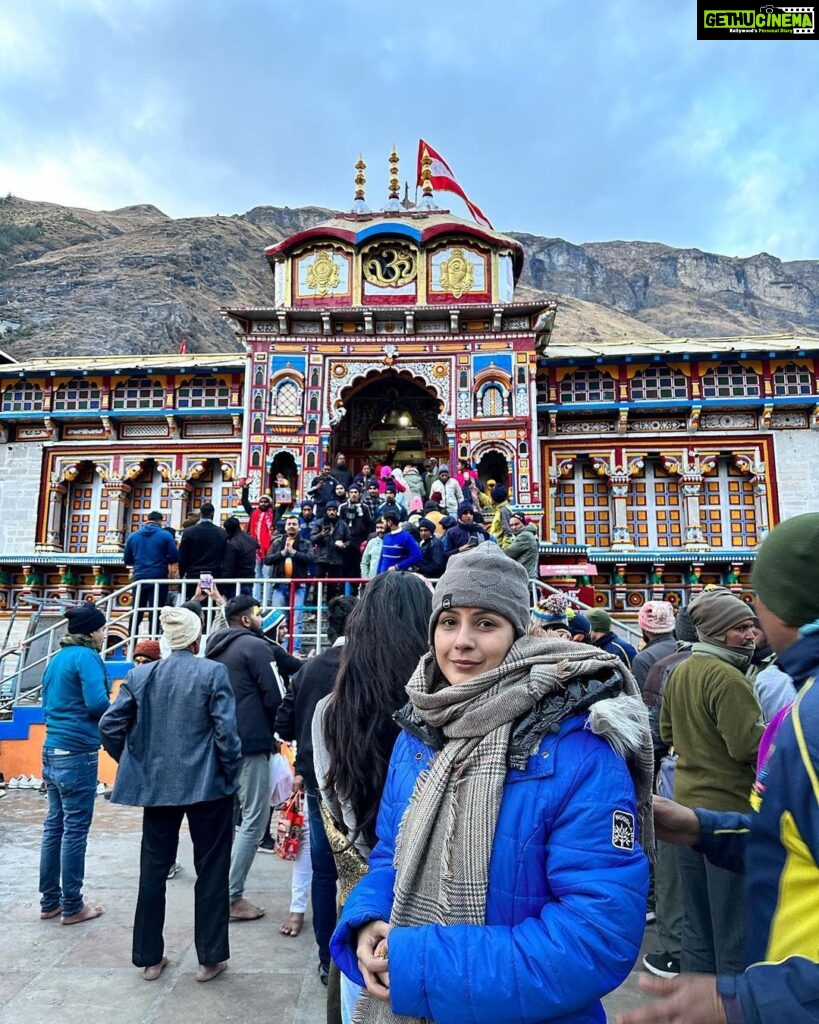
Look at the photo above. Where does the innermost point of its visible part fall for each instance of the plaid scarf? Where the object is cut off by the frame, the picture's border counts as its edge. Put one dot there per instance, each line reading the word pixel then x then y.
pixel 447 831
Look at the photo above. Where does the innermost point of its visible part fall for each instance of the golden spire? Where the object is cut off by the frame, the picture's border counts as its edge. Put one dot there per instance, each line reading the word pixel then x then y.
pixel 426 202
pixel 395 182
pixel 359 205
pixel 426 173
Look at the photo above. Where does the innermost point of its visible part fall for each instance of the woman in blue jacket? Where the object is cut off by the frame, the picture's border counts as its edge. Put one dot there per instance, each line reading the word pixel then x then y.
pixel 507 882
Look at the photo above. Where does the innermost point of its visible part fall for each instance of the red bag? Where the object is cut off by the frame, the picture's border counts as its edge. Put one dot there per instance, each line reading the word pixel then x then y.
pixel 289 828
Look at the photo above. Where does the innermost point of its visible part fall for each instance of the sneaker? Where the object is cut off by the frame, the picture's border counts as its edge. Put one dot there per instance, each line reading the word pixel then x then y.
pixel 15 782
pixel 175 869
pixel 661 964
pixel 101 789
pixel 651 917
pixel 267 845
pixel 324 974
pixel 32 782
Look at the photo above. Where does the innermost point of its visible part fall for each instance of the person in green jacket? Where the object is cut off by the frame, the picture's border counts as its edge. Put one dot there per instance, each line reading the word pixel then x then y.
pixel 523 546
pixel 713 720
pixel 76 694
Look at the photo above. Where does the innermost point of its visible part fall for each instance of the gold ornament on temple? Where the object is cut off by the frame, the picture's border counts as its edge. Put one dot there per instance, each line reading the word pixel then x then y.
pixel 395 183
pixel 360 180
pixel 426 173
pixel 456 274
pixel 389 266
pixel 323 274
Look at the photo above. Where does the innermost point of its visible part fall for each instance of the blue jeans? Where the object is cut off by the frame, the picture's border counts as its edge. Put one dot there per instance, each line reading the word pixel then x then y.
pixel 281 599
pixel 323 889
pixel 71 786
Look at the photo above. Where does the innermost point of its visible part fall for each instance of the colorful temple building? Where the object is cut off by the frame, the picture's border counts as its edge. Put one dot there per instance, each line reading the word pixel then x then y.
pixel 651 467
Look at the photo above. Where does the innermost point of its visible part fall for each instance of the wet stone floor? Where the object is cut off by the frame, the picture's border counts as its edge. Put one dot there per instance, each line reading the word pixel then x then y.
pixel 83 974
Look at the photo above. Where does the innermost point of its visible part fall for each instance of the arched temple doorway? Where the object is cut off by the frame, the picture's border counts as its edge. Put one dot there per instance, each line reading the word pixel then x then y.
pixel 390 418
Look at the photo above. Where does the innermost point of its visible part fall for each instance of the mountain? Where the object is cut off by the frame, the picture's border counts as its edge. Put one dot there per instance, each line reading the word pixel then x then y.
pixel 134 280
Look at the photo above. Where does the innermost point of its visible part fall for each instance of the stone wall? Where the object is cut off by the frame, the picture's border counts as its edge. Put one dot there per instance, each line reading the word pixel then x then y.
pixel 20 466
pixel 797 471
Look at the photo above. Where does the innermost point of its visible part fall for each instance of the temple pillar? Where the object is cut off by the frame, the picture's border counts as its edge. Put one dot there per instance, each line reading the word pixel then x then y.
pixel 757 470
pixel 179 491
pixel 116 492
pixel 620 531
pixel 54 518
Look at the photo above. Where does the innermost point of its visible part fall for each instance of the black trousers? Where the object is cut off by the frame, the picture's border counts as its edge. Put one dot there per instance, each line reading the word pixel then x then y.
pixel 211 828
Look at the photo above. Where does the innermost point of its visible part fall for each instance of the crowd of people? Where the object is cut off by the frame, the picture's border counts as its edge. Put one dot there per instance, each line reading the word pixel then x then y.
pixel 482 793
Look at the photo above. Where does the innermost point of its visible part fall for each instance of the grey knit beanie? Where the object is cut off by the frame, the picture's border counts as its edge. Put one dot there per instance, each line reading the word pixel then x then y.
pixel 715 611
pixel 484 578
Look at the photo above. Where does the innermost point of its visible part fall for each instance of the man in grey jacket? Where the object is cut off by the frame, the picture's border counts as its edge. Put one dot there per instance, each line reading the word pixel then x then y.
pixel 172 728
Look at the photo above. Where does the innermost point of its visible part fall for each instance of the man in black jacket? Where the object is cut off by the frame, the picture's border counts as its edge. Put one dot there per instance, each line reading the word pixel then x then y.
pixel 331 537
pixel 291 555
pixel 257 670
pixel 432 563
pixel 293 722
pixel 240 555
pixel 202 547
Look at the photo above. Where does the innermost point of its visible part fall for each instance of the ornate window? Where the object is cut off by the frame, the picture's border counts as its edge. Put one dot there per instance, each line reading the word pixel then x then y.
pixel 258 377
pixel 588 386
pixel 138 393
pixel 202 393
pixel 85 509
pixel 658 383
pixel 792 379
pixel 493 400
pixel 653 509
pixel 77 395
pixel 23 397
pixel 285 399
pixel 730 380
pixel 727 508
pixel 583 508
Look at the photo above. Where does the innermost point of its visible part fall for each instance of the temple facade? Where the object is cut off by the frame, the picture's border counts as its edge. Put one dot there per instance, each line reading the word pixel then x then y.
pixel 650 467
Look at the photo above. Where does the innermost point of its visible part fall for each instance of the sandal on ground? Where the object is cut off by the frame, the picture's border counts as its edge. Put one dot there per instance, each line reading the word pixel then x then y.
pixel 293 925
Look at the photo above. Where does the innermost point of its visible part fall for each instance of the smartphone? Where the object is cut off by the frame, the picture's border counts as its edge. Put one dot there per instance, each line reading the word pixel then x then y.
pixel 205 581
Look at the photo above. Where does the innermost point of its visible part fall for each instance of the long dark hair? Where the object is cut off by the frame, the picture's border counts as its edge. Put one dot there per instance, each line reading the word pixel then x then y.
pixel 387 633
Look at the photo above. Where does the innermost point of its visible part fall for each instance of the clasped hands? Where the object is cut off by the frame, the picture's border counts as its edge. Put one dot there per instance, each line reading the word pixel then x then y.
pixel 372 958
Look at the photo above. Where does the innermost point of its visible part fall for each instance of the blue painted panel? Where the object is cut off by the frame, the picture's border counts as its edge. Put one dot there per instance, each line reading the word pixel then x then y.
pixel 388 228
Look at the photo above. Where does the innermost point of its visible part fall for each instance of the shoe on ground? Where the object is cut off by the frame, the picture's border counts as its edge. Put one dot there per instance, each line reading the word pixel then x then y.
pixel 661 964
pixel 107 794
pixel 32 782
pixel 176 867
pixel 267 845
pixel 324 974
pixel 15 782
pixel 102 789
pixel 651 917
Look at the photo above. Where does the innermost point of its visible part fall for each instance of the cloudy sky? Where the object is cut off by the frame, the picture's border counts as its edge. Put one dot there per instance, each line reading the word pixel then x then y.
pixel 587 121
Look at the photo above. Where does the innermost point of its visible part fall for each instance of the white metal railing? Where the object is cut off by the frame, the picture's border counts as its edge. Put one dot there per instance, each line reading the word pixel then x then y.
pixel 304 601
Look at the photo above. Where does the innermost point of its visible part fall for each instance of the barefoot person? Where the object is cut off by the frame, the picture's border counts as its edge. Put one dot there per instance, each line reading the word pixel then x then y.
pixel 173 731
pixel 75 695
pixel 507 882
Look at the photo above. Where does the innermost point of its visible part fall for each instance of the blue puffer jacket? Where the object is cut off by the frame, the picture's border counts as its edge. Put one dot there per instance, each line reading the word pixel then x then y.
pixel 565 909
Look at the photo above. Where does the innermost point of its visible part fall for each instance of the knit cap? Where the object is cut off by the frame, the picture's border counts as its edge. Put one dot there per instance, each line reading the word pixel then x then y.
pixel 685 628
pixel 553 612
pixel 599 620
pixel 499 494
pixel 148 649
pixel 786 568
pixel 428 523
pixel 180 626
pixel 465 506
pixel 715 611
pixel 578 623
pixel 332 503
pixel 656 617
pixel 487 578
pixel 84 619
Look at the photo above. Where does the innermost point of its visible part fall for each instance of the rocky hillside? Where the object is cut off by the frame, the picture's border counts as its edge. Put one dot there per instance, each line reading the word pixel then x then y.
pixel 134 280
